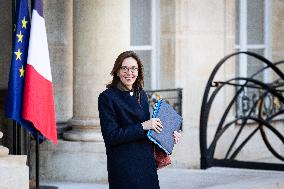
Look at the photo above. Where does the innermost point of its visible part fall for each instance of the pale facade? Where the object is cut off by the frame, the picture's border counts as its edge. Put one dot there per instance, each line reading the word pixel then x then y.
pixel 188 38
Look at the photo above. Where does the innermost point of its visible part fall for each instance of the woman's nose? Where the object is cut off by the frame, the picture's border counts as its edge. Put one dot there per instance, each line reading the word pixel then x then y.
pixel 128 71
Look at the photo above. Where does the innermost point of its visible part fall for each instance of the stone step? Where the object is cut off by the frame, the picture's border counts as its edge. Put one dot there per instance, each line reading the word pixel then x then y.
pixel 14 173
pixel 213 178
pixel 60 162
pixel 220 178
pixel 73 185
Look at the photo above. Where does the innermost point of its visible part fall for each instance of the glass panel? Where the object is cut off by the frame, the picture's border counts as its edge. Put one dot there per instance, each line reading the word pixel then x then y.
pixel 140 22
pixel 237 21
pixel 146 61
pixel 253 65
pixel 237 64
pixel 248 97
pixel 255 21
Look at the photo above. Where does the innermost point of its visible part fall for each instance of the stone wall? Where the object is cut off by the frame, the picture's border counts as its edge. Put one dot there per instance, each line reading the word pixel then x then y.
pixel 196 35
pixel 277 30
pixel 193 41
pixel 167 44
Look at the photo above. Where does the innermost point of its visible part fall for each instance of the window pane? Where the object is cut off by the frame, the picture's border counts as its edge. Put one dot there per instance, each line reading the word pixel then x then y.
pixel 252 94
pixel 253 65
pixel 255 21
pixel 146 61
pixel 237 21
pixel 237 64
pixel 140 22
pixel 248 98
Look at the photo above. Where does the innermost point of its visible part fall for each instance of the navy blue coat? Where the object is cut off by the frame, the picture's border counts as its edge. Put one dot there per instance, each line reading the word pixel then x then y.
pixel 130 160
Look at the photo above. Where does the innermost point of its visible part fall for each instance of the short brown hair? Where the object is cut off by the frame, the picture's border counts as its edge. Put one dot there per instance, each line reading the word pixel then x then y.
pixel 139 83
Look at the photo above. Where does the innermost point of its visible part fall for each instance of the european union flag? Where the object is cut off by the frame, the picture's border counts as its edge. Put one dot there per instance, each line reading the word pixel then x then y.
pixel 14 98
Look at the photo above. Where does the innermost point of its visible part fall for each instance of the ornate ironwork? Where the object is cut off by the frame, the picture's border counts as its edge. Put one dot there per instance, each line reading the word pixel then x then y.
pixel 257 105
pixel 246 101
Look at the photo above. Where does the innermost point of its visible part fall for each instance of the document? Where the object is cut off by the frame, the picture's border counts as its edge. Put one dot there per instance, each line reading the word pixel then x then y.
pixel 171 122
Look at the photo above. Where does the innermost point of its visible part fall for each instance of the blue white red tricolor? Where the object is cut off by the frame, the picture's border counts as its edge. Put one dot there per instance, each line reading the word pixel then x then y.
pixel 38 101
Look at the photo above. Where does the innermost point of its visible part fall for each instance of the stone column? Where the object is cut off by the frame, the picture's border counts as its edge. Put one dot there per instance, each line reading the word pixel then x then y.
pixel 6 42
pixel 59 25
pixel 101 32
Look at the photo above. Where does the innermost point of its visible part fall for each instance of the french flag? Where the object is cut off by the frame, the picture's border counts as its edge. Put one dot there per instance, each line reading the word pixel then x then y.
pixel 38 101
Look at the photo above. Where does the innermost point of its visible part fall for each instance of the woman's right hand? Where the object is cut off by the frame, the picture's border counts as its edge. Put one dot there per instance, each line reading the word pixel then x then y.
pixel 153 123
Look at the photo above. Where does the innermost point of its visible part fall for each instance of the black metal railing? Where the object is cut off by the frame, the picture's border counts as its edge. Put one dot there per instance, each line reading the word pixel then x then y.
pixel 256 105
pixel 171 96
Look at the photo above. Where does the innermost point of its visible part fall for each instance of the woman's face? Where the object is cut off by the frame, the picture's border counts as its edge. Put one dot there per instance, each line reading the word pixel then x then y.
pixel 128 72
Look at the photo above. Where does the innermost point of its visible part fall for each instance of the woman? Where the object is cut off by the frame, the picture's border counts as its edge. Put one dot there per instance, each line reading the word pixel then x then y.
pixel 124 117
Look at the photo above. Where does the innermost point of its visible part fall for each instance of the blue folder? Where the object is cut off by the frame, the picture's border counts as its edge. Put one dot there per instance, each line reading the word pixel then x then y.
pixel 171 122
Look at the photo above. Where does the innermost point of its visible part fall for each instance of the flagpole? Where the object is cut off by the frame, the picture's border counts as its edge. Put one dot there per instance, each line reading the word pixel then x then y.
pixel 37 168
pixel 37 145
pixel 19 139
pixel 37 163
pixel 15 137
pixel 15 124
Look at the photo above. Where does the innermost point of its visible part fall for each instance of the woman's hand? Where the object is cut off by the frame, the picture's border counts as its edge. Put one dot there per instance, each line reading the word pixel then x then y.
pixel 153 123
pixel 177 136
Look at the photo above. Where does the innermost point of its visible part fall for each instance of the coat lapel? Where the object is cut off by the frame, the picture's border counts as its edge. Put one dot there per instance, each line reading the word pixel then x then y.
pixel 131 105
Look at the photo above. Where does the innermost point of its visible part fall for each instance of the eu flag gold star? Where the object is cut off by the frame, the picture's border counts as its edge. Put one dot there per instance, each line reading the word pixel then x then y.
pixel 22 71
pixel 20 37
pixel 18 54
pixel 24 23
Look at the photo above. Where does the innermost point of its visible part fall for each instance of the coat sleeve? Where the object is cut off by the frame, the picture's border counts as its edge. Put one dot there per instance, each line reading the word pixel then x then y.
pixel 113 134
pixel 145 102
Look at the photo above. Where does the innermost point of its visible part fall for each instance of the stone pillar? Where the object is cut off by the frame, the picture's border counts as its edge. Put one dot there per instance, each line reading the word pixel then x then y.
pixel 6 42
pixel 59 25
pixel 101 32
